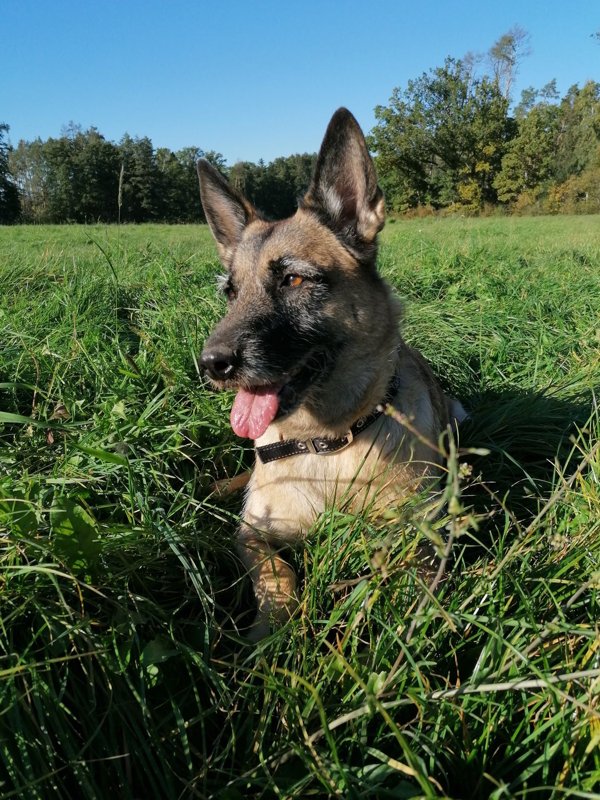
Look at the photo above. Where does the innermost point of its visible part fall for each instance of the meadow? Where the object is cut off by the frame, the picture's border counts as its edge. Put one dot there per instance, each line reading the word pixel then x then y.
pixel 123 669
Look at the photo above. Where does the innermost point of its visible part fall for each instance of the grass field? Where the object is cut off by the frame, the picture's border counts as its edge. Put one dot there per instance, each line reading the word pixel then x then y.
pixel 121 670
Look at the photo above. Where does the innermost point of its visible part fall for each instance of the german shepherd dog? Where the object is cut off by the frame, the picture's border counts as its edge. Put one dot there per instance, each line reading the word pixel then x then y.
pixel 310 342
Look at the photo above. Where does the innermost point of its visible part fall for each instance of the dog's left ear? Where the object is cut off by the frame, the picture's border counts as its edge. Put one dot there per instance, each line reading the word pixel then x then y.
pixel 227 211
pixel 344 186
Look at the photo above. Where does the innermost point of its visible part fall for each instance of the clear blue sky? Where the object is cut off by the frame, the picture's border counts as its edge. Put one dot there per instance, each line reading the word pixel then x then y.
pixel 256 78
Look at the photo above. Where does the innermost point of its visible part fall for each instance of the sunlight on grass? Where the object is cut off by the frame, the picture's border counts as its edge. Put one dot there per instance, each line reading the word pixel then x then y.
pixel 471 672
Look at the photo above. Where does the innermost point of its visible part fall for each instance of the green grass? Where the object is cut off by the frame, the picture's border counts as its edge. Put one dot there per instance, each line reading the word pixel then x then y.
pixel 121 670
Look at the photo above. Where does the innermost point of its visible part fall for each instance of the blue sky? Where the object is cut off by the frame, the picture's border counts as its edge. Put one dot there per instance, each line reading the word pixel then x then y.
pixel 256 79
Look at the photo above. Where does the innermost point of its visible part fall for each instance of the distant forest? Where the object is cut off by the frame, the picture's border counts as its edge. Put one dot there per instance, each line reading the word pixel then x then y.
pixel 451 141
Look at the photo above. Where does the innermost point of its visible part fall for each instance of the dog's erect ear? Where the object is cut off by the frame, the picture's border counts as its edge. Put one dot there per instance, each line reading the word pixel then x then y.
pixel 344 186
pixel 227 211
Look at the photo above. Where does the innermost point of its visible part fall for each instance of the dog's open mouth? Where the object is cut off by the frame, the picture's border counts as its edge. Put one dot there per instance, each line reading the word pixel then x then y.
pixel 254 410
pixel 255 407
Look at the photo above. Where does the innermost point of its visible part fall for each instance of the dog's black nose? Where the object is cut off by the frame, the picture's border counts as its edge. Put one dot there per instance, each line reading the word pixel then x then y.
pixel 220 362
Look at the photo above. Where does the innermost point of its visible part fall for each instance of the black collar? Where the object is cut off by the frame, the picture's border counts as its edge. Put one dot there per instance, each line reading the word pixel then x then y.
pixel 322 445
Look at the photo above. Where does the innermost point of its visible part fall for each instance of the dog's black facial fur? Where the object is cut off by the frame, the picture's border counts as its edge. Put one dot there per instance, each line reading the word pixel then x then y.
pixel 317 366
pixel 290 344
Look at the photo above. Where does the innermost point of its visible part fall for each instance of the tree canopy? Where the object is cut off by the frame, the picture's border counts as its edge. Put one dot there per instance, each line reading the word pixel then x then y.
pixel 82 177
pixel 450 141
pixel 441 141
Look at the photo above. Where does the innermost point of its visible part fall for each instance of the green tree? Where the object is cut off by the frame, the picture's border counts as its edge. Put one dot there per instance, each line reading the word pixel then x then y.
pixel 274 188
pixel 187 158
pixel 529 161
pixel 284 180
pixel 554 161
pixel 95 173
pixel 577 169
pixel 10 207
pixel 530 96
pixel 172 190
pixel 579 135
pixel 28 166
pixel 441 141
pixel 141 201
pixel 60 188
pixel 178 183
pixel 248 178
pixel 73 178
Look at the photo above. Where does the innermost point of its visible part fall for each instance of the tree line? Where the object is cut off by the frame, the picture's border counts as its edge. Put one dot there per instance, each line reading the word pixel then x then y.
pixel 451 140
pixel 448 143
pixel 83 177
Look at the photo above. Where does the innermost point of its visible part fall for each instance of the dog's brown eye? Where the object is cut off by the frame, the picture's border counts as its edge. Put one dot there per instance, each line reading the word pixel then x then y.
pixel 230 292
pixel 293 280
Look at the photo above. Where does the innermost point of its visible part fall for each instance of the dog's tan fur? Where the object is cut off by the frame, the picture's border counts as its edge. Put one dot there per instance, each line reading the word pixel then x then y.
pixel 335 228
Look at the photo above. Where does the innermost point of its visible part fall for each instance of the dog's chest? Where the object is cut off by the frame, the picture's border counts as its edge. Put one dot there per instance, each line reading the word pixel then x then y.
pixel 286 496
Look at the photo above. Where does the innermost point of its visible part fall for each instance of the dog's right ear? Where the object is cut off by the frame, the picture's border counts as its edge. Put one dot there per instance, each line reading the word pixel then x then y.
pixel 344 188
pixel 227 211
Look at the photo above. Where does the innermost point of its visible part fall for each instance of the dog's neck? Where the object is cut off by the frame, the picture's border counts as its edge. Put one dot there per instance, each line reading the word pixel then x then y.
pixel 340 404
pixel 325 445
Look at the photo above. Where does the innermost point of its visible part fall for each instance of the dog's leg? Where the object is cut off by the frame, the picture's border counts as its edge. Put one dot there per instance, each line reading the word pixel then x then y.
pixel 273 580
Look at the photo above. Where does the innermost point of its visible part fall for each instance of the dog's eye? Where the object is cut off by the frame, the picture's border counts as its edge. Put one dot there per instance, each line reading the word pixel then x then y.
pixel 293 280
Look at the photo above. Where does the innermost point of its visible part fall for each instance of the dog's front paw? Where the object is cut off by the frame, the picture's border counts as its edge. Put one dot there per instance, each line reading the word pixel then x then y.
pixel 271 616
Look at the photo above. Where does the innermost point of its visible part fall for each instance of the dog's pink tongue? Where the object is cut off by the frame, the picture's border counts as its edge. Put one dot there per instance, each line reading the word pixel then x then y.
pixel 253 411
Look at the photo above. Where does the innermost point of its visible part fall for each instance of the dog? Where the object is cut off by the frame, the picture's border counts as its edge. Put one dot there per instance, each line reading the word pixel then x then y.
pixel 311 343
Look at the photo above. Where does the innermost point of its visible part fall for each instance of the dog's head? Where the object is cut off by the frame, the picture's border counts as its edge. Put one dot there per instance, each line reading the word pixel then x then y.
pixel 298 289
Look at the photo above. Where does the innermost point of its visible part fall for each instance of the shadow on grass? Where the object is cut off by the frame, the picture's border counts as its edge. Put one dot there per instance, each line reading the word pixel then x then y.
pixel 531 439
